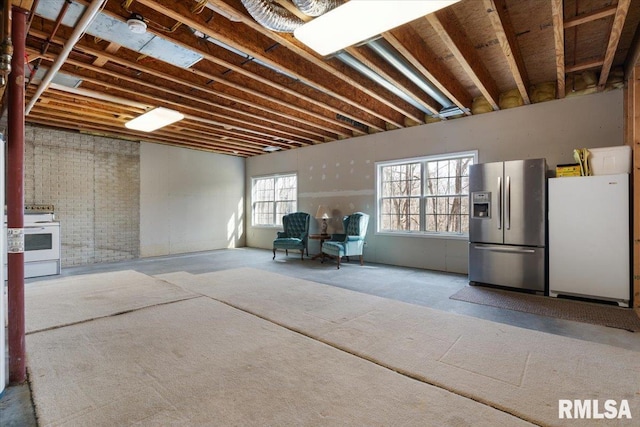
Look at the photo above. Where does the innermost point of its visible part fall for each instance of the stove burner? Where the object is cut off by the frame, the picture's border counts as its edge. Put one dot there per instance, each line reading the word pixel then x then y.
pixel 38 208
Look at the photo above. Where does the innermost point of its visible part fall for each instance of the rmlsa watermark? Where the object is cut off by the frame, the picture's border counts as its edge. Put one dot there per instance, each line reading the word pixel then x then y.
pixel 593 409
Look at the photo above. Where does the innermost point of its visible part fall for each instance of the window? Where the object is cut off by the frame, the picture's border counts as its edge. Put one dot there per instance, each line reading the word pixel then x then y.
pixel 428 195
pixel 273 197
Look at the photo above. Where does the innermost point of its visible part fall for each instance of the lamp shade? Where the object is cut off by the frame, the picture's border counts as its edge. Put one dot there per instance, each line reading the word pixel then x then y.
pixel 322 212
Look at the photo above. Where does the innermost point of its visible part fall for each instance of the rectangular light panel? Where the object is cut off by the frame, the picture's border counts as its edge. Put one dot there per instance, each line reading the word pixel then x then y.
pixel 359 20
pixel 154 119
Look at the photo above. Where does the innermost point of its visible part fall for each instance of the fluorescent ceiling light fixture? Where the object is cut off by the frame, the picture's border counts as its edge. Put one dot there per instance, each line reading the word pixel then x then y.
pixel 359 20
pixel 270 148
pixel 154 119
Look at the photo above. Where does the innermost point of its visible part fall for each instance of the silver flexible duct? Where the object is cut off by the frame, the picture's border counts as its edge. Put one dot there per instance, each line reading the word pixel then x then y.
pixel 354 63
pixel 316 7
pixel 386 52
pixel 272 16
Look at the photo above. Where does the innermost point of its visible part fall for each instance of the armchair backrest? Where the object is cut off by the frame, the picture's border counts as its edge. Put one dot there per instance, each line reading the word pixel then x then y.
pixel 356 224
pixel 296 224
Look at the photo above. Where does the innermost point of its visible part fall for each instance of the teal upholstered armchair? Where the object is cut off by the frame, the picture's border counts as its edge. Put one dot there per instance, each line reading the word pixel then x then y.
pixel 352 241
pixel 295 234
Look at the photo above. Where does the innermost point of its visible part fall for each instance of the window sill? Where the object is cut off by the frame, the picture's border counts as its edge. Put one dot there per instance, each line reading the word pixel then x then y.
pixel 423 235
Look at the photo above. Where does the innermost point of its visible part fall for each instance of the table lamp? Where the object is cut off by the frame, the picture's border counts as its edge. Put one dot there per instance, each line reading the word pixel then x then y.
pixel 324 216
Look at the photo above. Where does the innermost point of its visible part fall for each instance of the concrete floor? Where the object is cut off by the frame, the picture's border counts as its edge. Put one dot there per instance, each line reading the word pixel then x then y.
pixel 422 287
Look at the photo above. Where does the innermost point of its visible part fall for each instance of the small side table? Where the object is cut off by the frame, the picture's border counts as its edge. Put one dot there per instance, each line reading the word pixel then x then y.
pixel 321 238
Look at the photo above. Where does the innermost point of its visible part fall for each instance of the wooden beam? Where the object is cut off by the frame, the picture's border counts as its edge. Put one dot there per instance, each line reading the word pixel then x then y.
pixel 112 48
pixel 136 91
pixel 557 16
pixel 501 22
pixel 632 138
pixel 179 133
pixel 589 17
pixel 322 128
pixel 262 78
pixel 633 55
pixel 342 83
pixel 614 38
pixel 288 5
pixel 583 66
pixel 411 46
pixel 450 31
pixel 180 101
pixel 24 4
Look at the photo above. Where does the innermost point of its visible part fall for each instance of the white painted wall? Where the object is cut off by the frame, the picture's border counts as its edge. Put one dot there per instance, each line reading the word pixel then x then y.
pixel 341 175
pixel 189 200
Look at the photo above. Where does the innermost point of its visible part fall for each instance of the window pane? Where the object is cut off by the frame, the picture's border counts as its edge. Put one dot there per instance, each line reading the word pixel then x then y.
pixel 386 189
pixel 274 197
pixel 263 213
pixel 431 223
pixel 444 185
pixel 400 214
pixel 464 228
pixel 464 202
pixel 401 180
pixel 284 208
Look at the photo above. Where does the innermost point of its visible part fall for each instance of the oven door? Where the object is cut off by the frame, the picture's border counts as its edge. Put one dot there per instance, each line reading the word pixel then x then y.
pixel 41 242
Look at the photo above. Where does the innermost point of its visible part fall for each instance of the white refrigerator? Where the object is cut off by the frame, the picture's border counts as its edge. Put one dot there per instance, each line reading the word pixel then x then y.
pixel 589 237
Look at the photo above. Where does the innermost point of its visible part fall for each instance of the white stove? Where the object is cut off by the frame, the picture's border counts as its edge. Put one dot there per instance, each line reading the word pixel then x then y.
pixel 41 242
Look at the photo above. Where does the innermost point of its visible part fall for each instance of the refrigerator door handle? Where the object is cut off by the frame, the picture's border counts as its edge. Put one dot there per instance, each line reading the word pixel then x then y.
pixel 499 203
pixel 504 249
pixel 507 204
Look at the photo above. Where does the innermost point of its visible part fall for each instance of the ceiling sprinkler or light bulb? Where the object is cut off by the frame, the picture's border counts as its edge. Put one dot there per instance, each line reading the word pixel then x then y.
pixel 136 24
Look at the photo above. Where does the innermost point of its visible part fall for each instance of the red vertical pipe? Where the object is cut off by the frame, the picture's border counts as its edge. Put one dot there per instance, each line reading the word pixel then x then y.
pixel 15 197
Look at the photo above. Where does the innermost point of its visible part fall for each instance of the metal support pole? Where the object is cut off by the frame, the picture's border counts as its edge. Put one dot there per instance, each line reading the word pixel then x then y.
pixel 15 200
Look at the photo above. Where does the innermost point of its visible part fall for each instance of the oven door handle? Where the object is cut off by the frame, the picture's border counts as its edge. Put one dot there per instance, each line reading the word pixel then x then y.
pixel 34 229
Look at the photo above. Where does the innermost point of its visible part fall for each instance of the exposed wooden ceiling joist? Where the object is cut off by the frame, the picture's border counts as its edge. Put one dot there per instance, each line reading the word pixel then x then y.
pixel 266 88
pixel 450 31
pixel 497 12
pixel 557 16
pixel 614 38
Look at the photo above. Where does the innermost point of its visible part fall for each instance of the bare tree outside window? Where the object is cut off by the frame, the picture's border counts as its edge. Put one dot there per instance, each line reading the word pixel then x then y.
pixel 447 196
pixel 429 196
pixel 274 197
pixel 401 187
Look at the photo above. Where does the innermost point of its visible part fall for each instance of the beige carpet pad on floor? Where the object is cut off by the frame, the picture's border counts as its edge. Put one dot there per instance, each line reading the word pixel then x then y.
pixel 520 371
pixel 199 362
pixel 579 311
pixel 68 300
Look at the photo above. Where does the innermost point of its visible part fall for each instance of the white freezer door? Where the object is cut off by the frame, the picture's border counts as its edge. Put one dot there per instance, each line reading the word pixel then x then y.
pixel 589 236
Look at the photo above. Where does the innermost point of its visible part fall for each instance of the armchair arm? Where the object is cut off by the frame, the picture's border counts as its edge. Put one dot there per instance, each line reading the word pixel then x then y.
pixel 282 234
pixel 354 238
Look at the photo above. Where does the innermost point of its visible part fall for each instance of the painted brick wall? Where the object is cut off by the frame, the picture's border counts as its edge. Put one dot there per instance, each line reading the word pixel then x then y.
pixel 94 184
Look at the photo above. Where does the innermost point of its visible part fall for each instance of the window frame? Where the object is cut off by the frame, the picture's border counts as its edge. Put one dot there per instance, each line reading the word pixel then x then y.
pixel 423 161
pixel 276 217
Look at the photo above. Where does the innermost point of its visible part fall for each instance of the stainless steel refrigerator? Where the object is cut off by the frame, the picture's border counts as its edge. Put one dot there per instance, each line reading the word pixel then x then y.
pixel 507 234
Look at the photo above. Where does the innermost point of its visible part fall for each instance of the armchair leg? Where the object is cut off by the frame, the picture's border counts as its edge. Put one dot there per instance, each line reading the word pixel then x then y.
pixel 361 260
pixel 286 252
pixel 274 253
pixel 339 262
pixel 302 254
